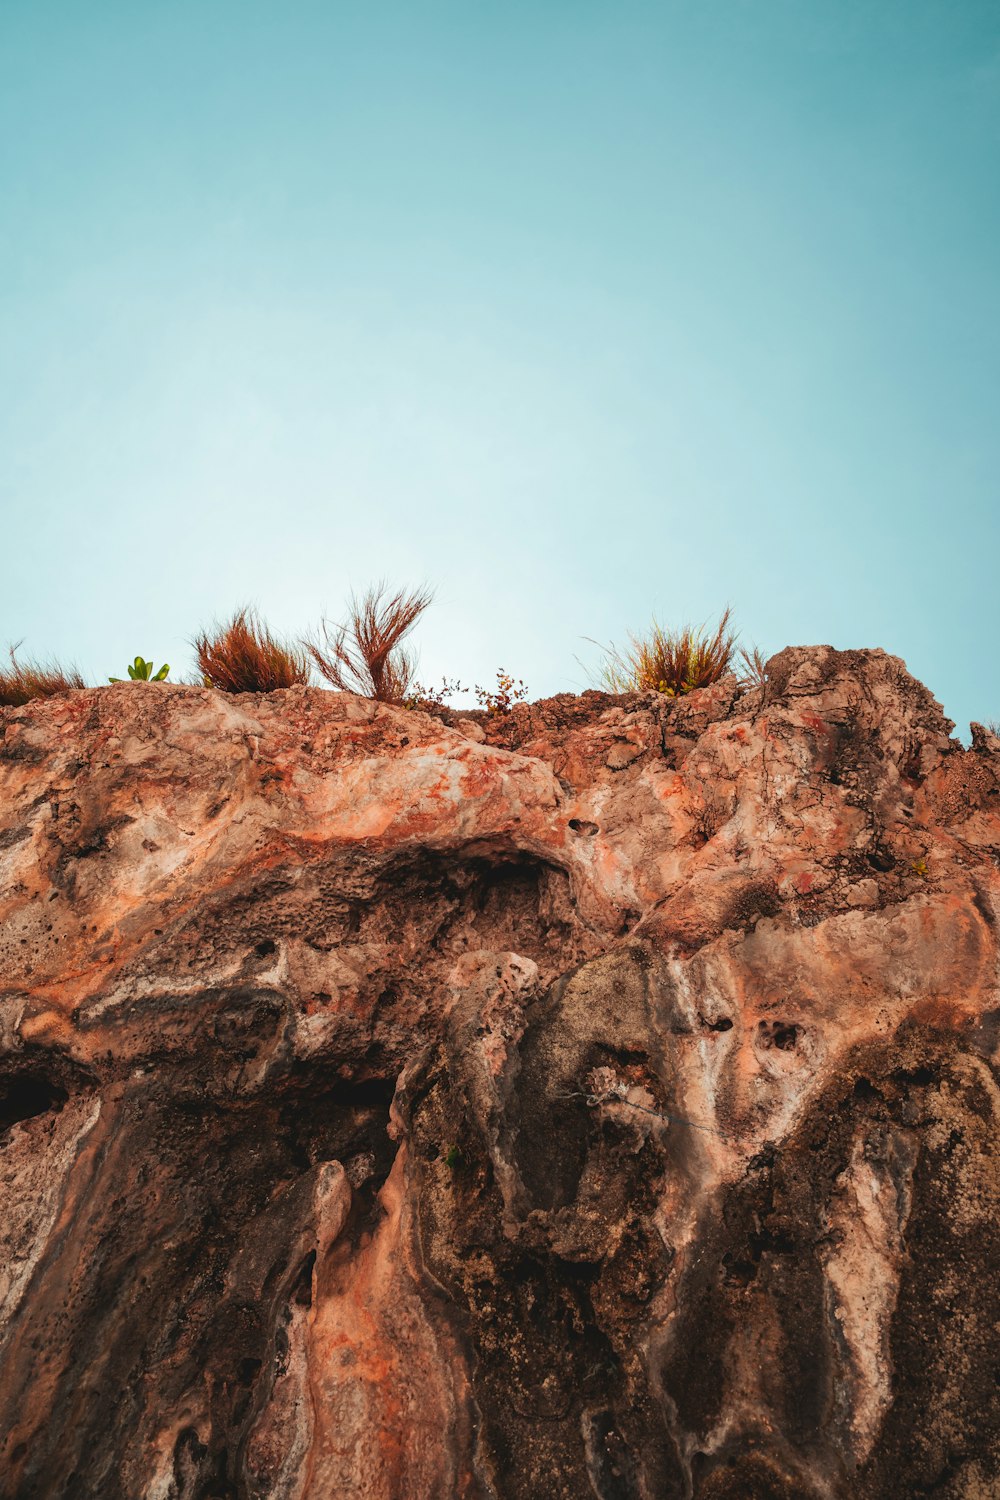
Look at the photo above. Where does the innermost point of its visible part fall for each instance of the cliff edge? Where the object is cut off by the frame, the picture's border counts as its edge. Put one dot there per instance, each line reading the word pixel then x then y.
pixel 596 1100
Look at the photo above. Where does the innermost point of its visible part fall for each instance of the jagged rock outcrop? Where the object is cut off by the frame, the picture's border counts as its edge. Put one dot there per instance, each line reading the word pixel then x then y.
pixel 597 1101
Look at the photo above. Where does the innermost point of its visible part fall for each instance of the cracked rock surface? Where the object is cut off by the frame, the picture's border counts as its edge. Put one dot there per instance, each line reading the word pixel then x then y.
pixel 600 1100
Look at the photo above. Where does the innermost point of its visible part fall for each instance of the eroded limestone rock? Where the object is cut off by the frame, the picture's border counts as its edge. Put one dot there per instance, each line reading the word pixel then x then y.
pixel 597 1101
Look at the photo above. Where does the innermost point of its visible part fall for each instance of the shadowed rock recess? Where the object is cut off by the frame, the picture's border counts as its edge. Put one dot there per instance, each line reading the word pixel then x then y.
pixel 595 1101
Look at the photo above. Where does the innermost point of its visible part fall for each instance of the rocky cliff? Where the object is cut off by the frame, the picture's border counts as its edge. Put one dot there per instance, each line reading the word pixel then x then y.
pixel 595 1101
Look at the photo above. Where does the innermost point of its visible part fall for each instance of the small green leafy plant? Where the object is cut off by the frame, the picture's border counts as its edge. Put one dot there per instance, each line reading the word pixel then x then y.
pixel 142 671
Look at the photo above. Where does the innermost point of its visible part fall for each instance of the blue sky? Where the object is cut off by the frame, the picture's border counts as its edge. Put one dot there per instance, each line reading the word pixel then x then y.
pixel 579 312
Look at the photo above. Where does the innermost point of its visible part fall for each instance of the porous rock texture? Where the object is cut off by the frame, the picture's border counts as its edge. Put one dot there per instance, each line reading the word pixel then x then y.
pixel 595 1100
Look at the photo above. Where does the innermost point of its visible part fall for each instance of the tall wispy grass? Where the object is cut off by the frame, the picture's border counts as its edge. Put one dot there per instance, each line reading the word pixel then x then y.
pixel 365 655
pixel 752 668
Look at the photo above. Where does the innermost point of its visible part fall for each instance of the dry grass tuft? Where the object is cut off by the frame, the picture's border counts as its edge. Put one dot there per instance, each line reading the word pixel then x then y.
pixel 24 680
pixel 365 656
pixel 670 661
pixel 753 668
pixel 244 657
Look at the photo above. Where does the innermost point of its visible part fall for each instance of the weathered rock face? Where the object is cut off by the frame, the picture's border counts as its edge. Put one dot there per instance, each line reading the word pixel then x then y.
pixel 601 1101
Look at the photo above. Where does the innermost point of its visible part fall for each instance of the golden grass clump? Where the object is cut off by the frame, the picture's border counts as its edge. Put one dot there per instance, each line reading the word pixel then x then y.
pixel 244 657
pixel 670 661
pixel 24 680
pixel 364 656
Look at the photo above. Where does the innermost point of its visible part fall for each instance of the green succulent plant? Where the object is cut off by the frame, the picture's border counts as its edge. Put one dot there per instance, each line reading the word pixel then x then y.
pixel 142 671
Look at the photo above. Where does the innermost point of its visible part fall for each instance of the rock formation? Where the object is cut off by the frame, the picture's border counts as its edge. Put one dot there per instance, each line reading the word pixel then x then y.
pixel 597 1100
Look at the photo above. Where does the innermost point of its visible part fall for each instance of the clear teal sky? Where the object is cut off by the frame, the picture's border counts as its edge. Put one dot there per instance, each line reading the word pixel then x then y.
pixel 577 310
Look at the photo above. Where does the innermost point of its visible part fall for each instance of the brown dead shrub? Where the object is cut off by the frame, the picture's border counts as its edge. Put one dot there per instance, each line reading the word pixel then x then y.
pixel 509 691
pixel 244 657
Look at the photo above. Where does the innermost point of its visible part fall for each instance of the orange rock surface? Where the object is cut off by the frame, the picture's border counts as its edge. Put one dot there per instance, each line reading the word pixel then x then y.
pixel 596 1100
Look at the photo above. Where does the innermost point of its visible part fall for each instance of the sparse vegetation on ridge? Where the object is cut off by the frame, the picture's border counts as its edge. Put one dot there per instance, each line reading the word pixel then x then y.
pixel 244 657
pixel 365 655
pixel 24 680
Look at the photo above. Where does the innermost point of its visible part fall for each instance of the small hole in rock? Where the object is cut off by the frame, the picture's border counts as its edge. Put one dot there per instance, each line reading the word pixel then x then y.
pixel 248 1370
pixel 780 1034
pixel 921 1076
pixel 581 826
pixel 24 1097
pixel 266 947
